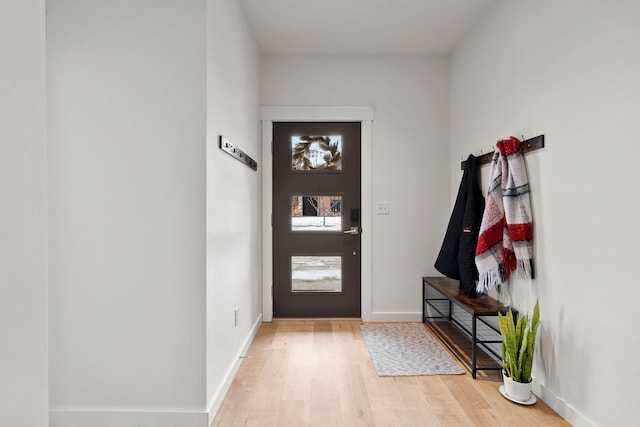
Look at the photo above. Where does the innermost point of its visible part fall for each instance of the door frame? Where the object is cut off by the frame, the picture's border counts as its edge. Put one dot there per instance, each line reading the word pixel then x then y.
pixel 362 114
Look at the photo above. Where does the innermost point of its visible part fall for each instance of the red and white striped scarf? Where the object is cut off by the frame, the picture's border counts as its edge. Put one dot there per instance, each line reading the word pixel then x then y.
pixel 505 243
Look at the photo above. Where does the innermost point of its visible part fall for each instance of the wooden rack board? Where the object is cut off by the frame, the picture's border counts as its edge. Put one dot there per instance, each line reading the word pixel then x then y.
pixel 535 143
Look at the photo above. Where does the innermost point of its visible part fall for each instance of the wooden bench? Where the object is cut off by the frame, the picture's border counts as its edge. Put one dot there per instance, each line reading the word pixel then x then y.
pixel 463 340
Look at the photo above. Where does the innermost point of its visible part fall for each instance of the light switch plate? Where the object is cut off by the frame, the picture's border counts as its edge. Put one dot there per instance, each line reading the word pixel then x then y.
pixel 382 208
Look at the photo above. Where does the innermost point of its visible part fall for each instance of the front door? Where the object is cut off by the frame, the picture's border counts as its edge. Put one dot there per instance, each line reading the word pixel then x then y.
pixel 316 219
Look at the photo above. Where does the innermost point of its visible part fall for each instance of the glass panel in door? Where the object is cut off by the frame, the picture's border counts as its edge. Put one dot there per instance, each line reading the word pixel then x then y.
pixel 316 153
pixel 316 273
pixel 316 213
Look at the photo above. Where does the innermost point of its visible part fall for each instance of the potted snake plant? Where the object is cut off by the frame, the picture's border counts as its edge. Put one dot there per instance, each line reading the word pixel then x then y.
pixel 518 345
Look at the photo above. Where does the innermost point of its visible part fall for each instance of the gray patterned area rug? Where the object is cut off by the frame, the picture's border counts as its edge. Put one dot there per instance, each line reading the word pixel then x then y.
pixel 404 349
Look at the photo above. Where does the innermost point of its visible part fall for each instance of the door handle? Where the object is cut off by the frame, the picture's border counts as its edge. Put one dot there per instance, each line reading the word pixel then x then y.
pixel 354 231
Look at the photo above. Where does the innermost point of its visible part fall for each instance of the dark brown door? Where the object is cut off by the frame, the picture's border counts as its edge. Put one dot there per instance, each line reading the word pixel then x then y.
pixel 316 219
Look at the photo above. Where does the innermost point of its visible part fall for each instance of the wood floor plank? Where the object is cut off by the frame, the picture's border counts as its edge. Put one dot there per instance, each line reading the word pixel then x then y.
pixel 325 412
pixel 294 413
pixel 318 373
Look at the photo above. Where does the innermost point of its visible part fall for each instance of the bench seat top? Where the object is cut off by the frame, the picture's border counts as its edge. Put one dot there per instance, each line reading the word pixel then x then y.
pixel 483 305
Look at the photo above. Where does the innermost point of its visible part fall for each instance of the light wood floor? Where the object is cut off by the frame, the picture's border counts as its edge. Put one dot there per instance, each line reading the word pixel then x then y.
pixel 318 373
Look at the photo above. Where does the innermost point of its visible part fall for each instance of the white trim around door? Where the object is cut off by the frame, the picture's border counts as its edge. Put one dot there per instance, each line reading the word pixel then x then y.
pixel 270 114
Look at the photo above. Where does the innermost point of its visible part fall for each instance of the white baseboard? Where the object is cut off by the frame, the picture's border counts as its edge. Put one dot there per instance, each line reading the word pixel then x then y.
pixel 564 409
pixel 117 418
pixel 221 392
pixel 132 418
pixel 382 316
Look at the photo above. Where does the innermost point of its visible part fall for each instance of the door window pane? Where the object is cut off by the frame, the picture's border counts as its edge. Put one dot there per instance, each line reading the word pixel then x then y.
pixel 316 273
pixel 316 153
pixel 316 213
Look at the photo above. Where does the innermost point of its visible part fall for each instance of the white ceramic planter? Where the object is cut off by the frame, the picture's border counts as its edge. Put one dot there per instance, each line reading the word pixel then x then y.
pixel 520 392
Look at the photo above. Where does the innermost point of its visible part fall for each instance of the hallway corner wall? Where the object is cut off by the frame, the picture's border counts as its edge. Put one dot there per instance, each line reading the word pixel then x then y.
pixel 126 86
pixel 233 196
pixel 23 232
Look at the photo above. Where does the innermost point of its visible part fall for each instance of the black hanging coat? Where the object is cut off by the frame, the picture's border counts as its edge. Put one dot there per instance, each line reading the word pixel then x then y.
pixel 457 255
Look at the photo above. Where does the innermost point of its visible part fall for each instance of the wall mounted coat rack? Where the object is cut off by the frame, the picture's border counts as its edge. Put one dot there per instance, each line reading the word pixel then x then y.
pixel 238 154
pixel 535 143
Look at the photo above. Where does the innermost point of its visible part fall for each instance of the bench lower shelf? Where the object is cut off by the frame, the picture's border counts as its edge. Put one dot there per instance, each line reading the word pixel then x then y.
pixel 460 344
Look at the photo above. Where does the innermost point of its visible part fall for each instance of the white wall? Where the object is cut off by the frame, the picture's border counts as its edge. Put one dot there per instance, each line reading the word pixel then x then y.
pixel 568 70
pixel 127 108
pixel 233 195
pixel 23 291
pixel 410 95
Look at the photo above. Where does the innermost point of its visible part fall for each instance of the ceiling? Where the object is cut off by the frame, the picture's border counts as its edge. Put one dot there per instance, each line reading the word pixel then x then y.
pixel 361 27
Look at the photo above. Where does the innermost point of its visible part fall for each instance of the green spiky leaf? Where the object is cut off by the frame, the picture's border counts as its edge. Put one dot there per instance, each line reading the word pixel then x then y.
pixel 518 343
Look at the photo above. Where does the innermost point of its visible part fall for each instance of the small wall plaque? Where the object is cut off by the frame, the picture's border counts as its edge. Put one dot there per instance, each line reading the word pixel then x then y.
pixel 227 146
